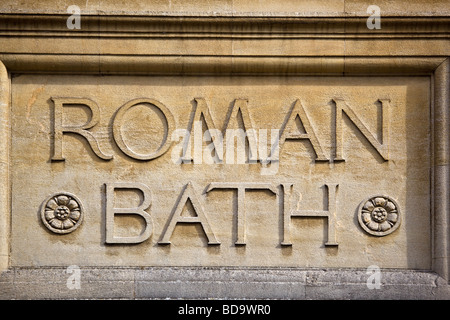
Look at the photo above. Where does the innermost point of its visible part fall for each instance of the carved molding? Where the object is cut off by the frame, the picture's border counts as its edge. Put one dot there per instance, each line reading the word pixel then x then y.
pixel 5 188
pixel 215 65
pixel 222 45
pixel 239 27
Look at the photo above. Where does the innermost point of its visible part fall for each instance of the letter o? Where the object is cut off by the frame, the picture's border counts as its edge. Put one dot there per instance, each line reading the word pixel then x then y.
pixel 118 121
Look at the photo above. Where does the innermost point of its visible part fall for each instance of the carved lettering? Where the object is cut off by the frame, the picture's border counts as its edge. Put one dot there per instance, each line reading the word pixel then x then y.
pixel 240 108
pixel 381 147
pixel 111 211
pixel 241 187
pixel 288 131
pixel 63 208
pixel 290 211
pixel 238 115
pixel 200 111
pixel 188 194
pixel 168 122
pixel 59 129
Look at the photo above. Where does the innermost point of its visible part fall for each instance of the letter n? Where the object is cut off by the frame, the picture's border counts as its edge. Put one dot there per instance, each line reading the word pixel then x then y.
pixel 382 147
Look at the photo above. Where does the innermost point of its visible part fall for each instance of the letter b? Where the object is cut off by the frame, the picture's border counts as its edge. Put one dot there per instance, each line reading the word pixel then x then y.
pixel 111 211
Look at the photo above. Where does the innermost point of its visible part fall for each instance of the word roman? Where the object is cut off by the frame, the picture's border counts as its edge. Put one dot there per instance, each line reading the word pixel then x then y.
pixel 201 111
pixel 289 199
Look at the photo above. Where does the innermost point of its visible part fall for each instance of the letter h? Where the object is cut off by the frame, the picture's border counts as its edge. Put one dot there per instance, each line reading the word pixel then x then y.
pixel 289 212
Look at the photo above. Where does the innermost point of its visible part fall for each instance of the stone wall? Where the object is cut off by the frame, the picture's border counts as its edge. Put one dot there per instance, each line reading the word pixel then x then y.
pixel 226 149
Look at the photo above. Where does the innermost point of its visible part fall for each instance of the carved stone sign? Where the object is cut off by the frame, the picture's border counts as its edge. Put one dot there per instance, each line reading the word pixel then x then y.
pixel 221 171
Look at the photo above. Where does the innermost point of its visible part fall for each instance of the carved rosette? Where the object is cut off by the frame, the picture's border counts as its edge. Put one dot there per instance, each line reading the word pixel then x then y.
pixel 379 215
pixel 62 213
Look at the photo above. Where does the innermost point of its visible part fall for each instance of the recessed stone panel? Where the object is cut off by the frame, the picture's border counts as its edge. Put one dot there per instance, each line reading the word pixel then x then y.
pixel 221 171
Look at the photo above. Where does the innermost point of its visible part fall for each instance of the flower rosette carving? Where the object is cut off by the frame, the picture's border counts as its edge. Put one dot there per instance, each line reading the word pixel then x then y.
pixel 62 213
pixel 379 215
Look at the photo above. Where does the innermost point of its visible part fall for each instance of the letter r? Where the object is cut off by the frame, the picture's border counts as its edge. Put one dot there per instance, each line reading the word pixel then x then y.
pixel 59 128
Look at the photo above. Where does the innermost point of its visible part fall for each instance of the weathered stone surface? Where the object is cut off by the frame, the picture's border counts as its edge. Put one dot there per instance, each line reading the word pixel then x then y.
pixel 255 231
pixel 219 283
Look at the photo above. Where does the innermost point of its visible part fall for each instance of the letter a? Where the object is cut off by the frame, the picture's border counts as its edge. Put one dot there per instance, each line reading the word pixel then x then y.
pixel 188 194
pixel 287 131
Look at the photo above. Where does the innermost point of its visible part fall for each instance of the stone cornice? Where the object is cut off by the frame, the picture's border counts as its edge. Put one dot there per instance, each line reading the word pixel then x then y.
pixel 108 44
pixel 243 27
